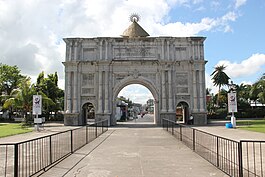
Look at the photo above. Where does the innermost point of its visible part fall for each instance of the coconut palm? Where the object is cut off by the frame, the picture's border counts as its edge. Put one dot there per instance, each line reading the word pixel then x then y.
pixel 21 98
pixel 219 78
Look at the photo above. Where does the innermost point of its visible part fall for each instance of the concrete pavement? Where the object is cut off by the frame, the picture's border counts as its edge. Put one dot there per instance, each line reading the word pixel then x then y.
pixel 134 149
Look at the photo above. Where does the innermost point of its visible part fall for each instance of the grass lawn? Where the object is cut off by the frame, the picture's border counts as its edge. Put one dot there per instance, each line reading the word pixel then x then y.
pixel 9 129
pixel 252 125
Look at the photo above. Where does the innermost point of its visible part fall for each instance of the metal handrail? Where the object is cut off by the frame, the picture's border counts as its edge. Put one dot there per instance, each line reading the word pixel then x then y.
pixel 27 156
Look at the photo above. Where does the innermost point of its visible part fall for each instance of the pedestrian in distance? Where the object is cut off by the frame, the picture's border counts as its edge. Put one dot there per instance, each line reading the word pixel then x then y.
pixel 191 120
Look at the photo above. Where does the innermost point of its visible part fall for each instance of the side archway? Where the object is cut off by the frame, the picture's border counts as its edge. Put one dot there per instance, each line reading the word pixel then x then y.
pixel 88 113
pixel 182 112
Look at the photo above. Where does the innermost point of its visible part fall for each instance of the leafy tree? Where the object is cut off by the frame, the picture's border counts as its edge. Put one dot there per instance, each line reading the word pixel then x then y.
pixel 21 99
pixel 254 92
pixel 261 89
pixel 49 86
pixel 243 93
pixel 209 101
pixel 219 78
pixel 10 78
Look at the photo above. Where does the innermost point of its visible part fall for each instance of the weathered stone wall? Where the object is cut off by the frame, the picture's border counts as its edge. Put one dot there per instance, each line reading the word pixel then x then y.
pixel 173 69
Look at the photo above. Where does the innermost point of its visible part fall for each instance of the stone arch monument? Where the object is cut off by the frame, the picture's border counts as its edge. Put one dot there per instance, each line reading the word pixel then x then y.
pixel 172 68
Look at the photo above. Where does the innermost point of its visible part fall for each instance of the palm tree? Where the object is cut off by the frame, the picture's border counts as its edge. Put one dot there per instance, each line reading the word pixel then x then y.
pixel 21 98
pixel 243 92
pixel 219 78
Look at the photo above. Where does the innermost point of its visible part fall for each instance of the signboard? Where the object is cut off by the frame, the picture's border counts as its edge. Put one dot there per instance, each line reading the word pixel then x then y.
pixel 37 120
pixel 232 103
pixel 36 109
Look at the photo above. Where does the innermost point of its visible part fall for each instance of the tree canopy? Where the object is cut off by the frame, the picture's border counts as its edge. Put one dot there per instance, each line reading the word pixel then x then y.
pixel 10 78
pixel 219 78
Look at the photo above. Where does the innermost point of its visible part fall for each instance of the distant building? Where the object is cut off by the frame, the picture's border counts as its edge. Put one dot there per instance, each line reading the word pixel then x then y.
pixel 150 106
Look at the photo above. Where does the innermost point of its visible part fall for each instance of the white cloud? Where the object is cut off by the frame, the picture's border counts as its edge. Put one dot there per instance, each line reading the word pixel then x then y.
pixel 191 29
pixel 32 31
pixel 209 83
pixel 239 3
pixel 137 93
pixel 247 67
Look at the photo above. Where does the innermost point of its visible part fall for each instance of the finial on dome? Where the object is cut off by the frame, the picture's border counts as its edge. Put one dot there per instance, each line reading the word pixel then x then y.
pixel 134 17
pixel 134 30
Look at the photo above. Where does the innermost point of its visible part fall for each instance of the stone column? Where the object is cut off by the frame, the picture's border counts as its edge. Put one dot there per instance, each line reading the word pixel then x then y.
pixel 202 107
pixel 168 45
pixel 164 109
pixel 195 95
pixel 100 50
pixel 75 87
pixel 69 106
pixel 170 96
pixel 100 92
pixel 163 50
pixel 106 50
pixel 75 50
pixel 106 108
pixel 70 51
pixel 202 52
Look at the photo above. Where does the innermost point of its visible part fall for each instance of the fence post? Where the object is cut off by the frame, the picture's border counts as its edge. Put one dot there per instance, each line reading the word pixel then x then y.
pixel 102 127
pixel 50 149
pixel 172 128
pixel 180 132
pixel 193 139
pixel 240 159
pixel 217 151
pixel 71 141
pixel 16 160
pixel 96 129
pixel 86 134
pixel 107 125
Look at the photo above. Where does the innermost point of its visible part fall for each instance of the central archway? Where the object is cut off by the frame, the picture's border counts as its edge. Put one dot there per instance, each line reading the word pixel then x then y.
pixel 141 81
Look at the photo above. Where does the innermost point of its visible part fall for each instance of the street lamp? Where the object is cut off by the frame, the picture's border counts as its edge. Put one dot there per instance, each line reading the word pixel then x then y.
pixel 232 102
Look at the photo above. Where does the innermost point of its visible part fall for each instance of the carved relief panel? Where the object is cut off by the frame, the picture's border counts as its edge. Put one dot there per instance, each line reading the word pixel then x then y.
pixel 88 81
pixel 182 83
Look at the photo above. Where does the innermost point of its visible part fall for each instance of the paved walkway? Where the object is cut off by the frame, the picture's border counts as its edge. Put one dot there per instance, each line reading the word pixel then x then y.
pixel 136 149
pixel 134 152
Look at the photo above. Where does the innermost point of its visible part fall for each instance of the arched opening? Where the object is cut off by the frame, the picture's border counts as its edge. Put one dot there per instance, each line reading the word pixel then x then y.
pixel 88 113
pixel 135 103
pixel 182 112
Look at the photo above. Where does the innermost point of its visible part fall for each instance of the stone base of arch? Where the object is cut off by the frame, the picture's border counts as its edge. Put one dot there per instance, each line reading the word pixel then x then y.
pixel 167 115
pixel 71 119
pixel 104 116
pixel 200 118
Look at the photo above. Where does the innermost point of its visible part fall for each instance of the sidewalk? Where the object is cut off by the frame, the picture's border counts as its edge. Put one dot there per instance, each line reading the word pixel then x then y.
pixel 126 151
pixel 49 128
pixel 218 128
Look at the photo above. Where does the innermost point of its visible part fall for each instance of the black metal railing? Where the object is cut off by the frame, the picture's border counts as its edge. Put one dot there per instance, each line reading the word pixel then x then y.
pixel 235 158
pixel 30 157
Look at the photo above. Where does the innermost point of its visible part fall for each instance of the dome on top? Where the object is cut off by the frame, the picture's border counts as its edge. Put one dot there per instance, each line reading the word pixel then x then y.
pixel 135 30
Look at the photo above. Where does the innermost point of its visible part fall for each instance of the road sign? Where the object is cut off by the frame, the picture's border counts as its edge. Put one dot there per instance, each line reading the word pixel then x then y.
pixel 232 103
pixel 36 109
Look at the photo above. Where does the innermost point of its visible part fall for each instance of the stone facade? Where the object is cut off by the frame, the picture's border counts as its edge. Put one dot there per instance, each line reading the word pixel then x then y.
pixel 97 69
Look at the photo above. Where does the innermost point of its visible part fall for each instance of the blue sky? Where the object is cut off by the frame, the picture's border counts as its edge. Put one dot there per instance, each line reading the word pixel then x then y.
pixel 31 31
